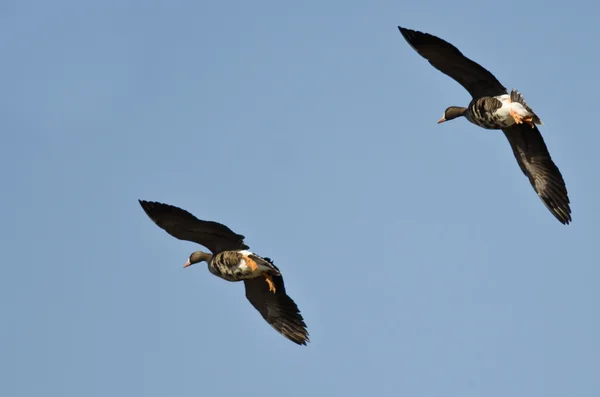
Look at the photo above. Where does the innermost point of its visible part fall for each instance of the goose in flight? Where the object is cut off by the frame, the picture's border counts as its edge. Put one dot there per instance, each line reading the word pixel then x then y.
pixel 230 260
pixel 492 107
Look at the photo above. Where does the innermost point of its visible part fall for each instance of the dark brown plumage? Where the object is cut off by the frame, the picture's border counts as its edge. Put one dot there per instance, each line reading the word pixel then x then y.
pixel 484 110
pixel 449 60
pixel 184 226
pixel 278 309
pixel 532 155
pixel 229 260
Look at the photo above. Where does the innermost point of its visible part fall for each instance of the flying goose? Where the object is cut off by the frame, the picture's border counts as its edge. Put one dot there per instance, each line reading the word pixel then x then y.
pixel 230 260
pixel 493 108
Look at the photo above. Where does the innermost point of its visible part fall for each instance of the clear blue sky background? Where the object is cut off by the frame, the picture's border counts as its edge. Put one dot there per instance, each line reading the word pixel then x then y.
pixel 420 256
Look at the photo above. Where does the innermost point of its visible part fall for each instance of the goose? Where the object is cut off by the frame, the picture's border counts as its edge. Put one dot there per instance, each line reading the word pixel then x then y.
pixel 492 107
pixel 230 260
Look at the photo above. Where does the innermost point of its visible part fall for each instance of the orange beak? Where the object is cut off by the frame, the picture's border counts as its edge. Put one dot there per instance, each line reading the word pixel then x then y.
pixel 187 264
pixel 441 120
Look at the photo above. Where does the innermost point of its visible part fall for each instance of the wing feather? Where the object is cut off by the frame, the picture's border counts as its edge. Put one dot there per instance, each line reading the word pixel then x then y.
pixel 449 60
pixel 534 159
pixel 278 309
pixel 184 226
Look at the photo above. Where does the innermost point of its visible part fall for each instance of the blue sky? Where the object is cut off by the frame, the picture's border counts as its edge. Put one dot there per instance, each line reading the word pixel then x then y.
pixel 420 256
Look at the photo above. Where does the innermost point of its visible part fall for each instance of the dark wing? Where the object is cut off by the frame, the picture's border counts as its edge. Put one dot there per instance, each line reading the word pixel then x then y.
pixel 277 308
pixel 532 155
pixel 449 60
pixel 185 226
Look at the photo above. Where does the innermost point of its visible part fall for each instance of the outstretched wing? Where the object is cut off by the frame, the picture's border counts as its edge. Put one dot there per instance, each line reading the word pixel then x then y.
pixel 449 60
pixel 185 226
pixel 534 159
pixel 278 309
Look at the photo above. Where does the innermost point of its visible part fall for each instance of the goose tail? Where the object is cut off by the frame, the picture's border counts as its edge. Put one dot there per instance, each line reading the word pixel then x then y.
pixel 515 96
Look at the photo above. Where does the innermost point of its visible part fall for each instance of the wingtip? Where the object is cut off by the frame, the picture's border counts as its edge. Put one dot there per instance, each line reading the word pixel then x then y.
pixel 145 204
pixel 563 218
pixel 564 215
pixel 566 220
pixel 412 37
pixel 147 207
pixel 561 211
pixel 299 338
pixel 150 207
pixel 149 204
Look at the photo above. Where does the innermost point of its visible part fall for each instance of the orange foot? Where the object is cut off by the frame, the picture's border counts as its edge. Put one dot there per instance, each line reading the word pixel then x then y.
pixel 518 119
pixel 270 282
pixel 251 263
pixel 529 120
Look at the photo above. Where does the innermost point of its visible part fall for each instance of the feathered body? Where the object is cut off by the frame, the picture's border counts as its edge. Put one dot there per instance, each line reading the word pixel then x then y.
pixel 495 112
pixel 240 265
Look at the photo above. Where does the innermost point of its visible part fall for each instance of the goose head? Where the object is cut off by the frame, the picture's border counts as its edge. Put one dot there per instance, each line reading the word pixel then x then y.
pixel 451 113
pixel 197 257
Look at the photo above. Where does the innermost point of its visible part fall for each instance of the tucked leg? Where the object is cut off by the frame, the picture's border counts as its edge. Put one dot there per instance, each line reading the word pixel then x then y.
pixel 251 263
pixel 517 117
pixel 270 282
pixel 529 120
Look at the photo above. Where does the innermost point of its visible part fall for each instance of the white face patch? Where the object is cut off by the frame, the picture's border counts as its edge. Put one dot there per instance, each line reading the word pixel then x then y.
pixel 245 252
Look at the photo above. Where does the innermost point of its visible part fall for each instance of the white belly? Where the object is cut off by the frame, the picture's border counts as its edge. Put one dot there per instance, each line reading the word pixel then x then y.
pixel 507 105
